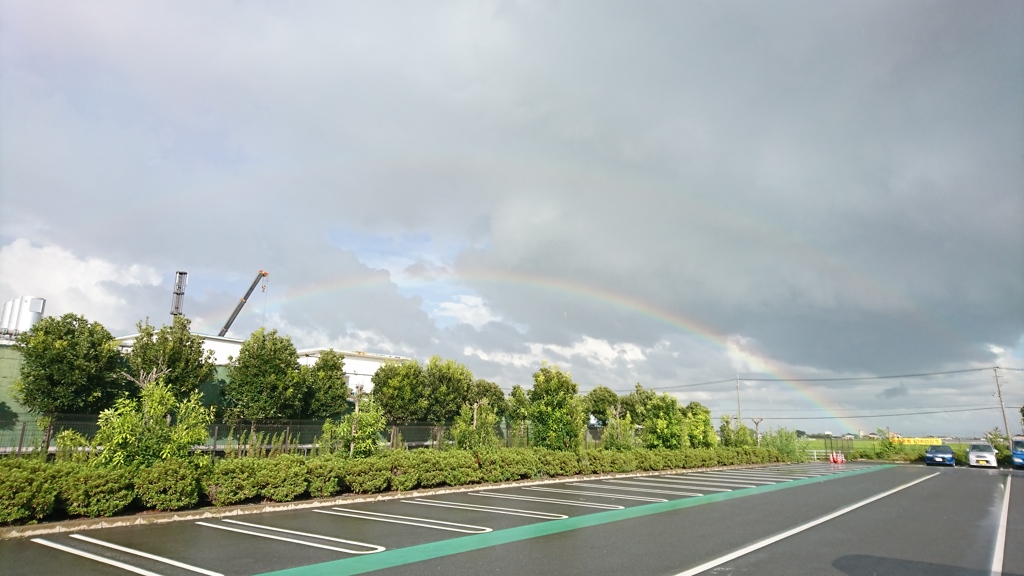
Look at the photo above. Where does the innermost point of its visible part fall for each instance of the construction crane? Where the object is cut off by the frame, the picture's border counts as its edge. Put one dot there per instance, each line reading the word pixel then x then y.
pixel 259 276
pixel 178 298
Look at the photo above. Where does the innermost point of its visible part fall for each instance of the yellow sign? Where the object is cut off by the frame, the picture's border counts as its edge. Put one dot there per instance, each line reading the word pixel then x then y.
pixel 920 441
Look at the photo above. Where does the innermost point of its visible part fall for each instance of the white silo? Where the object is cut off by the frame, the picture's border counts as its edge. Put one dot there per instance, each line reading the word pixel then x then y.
pixel 30 312
pixel 5 317
pixel 12 321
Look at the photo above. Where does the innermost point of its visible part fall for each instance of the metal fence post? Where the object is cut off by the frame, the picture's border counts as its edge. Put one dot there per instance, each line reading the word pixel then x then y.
pixel 213 452
pixel 21 440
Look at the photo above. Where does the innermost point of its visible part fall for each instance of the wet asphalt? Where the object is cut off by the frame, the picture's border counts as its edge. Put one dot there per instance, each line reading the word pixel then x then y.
pixel 659 525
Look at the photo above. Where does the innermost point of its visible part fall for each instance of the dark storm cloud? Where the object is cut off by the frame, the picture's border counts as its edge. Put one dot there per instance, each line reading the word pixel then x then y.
pixel 835 185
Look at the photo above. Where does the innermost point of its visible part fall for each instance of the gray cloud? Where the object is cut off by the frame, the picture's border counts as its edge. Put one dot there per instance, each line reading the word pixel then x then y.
pixel 837 186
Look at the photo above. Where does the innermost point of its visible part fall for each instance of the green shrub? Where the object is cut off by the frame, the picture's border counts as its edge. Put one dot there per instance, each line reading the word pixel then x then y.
pixel 556 464
pixel 28 489
pixel 93 491
pixel 445 467
pixel 368 475
pixel 507 464
pixel 233 480
pixel 404 470
pixel 282 478
pixel 170 484
pixel 325 475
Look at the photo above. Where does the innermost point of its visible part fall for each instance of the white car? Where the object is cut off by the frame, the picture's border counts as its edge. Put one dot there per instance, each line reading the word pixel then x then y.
pixel 981 455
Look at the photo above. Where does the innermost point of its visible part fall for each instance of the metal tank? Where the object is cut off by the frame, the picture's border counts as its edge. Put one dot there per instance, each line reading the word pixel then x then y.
pixel 5 317
pixel 12 321
pixel 30 312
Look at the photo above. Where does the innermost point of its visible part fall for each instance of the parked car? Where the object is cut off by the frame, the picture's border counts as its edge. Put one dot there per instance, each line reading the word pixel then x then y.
pixel 1018 453
pixel 981 455
pixel 940 455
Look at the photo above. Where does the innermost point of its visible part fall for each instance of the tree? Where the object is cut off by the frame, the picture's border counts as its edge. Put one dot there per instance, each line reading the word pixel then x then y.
pixel 699 428
pixel 735 435
pixel 264 381
pixel 172 352
pixel 399 389
pixel 635 404
pixel 69 366
pixel 326 390
pixel 489 393
pixel 557 414
pixel 517 415
pixel 446 388
pixel 475 427
pixel 358 433
pixel 601 401
pixel 156 426
pixel 664 425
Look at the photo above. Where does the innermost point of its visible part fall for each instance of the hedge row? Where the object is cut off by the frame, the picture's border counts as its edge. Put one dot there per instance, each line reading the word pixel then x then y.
pixel 32 489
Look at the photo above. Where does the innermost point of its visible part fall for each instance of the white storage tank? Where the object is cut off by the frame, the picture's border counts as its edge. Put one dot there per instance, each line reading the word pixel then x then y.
pixel 5 317
pixel 30 312
pixel 12 320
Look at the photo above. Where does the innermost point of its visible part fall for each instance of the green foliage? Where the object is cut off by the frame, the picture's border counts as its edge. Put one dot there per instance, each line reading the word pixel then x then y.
pixel 475 428
pixel 172 352
pixel 69 365
pixel 516 414
pixel 635 404
pixel 325 475
pixel 73 446
pixel 601 403
pixel 446 387
pixel 786 443
pixel 171 484
pixel 886 447
pixel 619 434
pixel 558 416
pixel 264 381
pixel 699 427
pixel 664 425
pixel 93 492
pixel 368 475
pixel 282 478
pixel 399 390
pixel 508 464
pixel 233 480
pixel 28 489
pixel 482 390
pixel 156 426
pixel 608 461
pixel 557 463
pixel 359 434
pixel 735 434
pixel 326 390
pixel 997 438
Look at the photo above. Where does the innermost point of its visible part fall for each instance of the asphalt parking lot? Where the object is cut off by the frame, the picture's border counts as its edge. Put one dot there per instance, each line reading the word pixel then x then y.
pixel 795 519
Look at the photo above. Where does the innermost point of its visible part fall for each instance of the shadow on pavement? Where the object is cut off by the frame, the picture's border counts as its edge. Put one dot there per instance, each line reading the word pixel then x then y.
pixel 864 565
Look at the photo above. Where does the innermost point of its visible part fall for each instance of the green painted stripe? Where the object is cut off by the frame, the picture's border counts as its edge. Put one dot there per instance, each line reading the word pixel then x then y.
pixel 421 552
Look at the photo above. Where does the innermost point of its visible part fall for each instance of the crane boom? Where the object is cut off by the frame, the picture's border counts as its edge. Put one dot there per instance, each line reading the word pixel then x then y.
pixel 259 276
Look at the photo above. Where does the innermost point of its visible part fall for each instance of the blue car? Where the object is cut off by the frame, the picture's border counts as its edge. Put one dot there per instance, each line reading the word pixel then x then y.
pixel 1018 454
pixel 939 456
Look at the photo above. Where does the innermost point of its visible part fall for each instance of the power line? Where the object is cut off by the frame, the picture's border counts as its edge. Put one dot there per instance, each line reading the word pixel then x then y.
pixel 882 415
pixel 864 377
pixel 978 406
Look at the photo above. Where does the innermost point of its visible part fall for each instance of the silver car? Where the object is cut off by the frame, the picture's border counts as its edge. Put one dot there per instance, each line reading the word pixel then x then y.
pixel 981 455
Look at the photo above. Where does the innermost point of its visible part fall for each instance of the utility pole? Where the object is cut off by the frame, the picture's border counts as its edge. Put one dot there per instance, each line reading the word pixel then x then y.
pixel 757 429
pixel 739 409
pixel 1002 407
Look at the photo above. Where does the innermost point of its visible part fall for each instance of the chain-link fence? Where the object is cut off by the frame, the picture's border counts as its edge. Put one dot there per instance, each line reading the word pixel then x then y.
pixel 28 433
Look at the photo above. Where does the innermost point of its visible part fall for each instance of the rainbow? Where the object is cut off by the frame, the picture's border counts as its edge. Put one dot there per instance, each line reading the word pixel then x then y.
pixel 807 391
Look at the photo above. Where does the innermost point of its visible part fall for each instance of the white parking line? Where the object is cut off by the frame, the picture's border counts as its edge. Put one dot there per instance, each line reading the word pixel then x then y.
pixel 997 554
pixel 411 521
pixel 95 557
pixel 292 540
pixel 725 477
pixel 644 490
pixel 601 494
pixel 146 555
pixel 769 541
pixel 375 548
pixel 549 500
pixel 482 508
pixel 674 482
pixel 652 486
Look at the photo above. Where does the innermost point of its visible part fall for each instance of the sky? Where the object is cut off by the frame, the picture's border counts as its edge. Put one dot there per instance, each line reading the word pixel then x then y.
pixel 806 212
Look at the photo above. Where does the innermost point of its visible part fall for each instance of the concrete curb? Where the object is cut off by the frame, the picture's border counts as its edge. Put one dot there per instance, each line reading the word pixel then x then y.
pixel 145 518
